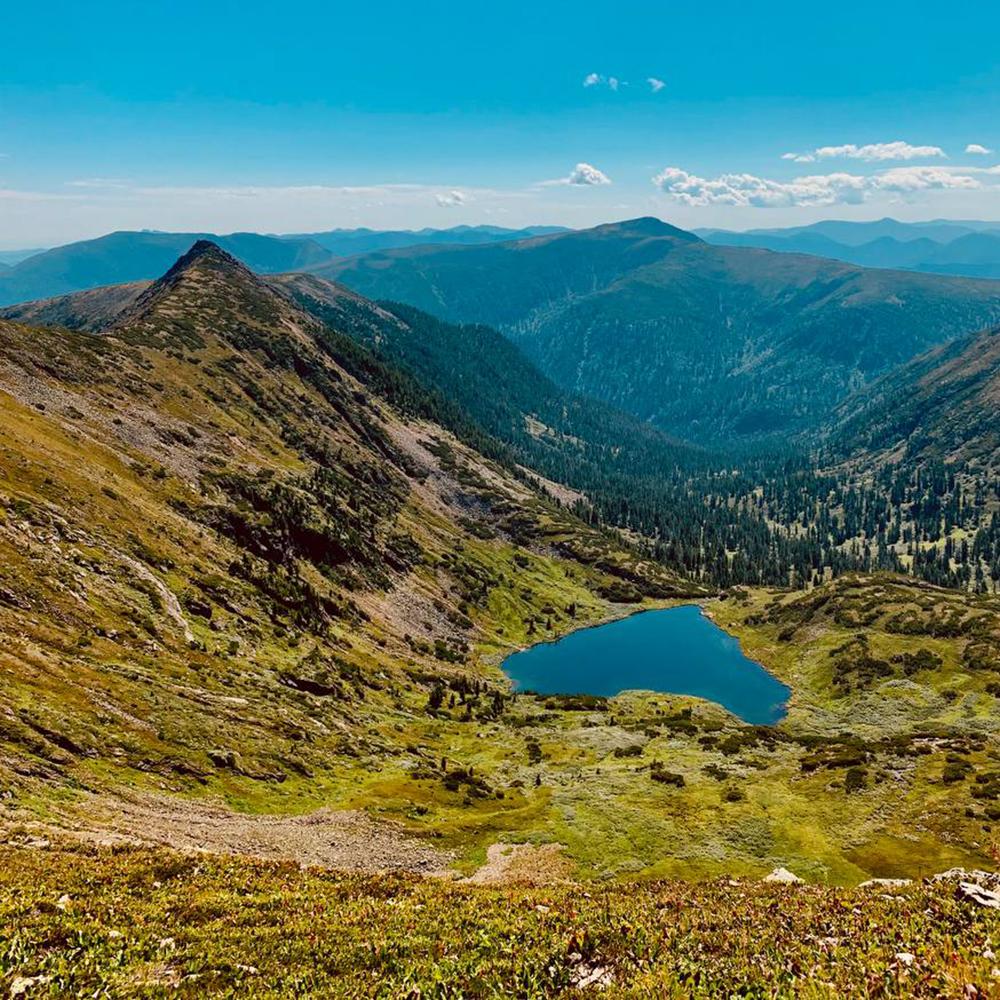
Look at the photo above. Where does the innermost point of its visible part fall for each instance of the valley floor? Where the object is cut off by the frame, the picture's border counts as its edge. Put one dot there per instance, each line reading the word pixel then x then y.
pixel 894 775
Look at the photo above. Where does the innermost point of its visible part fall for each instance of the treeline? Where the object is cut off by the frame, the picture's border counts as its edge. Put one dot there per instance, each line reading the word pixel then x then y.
pixel 744 519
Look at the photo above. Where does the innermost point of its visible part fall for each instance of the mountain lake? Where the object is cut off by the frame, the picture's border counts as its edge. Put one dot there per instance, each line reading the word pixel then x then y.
pixel 671 650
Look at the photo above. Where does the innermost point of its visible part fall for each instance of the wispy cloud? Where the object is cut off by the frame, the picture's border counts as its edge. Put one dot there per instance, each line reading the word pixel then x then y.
pixel 655 85
pixel 978 150
pixel 747 190
pixel 12 194
pixel 600 80
pixel 100 183
pixel 451 199
pixel 82 210
pixel 873 152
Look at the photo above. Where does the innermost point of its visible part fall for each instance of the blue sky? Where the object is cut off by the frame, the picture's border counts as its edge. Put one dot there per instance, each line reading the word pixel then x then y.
pixel 223 116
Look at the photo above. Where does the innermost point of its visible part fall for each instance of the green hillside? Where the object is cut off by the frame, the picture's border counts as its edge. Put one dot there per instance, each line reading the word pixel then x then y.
pixel 252 570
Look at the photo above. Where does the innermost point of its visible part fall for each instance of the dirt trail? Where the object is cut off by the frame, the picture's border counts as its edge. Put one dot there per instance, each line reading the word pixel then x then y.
pixel 523 864
pixel 345 840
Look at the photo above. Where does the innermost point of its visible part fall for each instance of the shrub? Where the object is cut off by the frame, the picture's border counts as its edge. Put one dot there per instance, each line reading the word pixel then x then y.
pixel 667 777
pixel 855 779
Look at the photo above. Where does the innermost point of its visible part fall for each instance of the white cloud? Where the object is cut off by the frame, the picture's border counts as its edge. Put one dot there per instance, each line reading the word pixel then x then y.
pixel 598 79
pixel 978 150
pixel 451 199
pixel 747 190
pixel 585 175
pixel 582 175
pixel 99 182
pixel 874 152
pixel 655 85
pixel 904 180
pixel 897 150
pixel 12 194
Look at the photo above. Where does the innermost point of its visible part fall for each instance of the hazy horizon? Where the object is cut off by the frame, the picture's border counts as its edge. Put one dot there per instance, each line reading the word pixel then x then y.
pixel 118 117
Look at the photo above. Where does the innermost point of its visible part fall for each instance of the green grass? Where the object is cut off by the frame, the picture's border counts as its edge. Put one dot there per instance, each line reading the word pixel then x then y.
pixel 148 924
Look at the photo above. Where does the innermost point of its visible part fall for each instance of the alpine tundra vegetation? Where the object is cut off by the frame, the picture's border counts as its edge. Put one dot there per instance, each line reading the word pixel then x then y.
pixel 427 572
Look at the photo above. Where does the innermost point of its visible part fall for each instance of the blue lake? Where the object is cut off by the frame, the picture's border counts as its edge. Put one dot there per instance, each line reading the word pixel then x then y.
pixel 674 650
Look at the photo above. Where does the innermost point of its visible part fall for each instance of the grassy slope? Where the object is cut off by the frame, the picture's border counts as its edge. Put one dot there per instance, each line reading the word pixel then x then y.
pixel 942 405
pixel 118 458
pixel 139 924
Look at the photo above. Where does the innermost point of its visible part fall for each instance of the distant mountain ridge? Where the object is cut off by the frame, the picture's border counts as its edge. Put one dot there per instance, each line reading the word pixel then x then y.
pixel 131 256
pixel 969 249
pixel 8 258
pixel 27 275
pixel 344 242
pixel 710 343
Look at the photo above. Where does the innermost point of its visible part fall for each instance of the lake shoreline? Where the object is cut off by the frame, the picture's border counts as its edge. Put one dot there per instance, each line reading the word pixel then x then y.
pixel 684 662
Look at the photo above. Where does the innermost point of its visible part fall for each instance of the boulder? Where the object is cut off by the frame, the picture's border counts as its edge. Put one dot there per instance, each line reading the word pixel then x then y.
pixel 990 880
pixel 977 894
pixel 782 875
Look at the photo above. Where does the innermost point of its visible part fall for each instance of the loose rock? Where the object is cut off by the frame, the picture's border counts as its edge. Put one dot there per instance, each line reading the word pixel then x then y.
pixel 782 875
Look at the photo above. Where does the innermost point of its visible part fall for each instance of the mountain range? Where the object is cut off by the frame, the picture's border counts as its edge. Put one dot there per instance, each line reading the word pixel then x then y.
pixel 263 542
pixel 130 256
pixel 970 249
pixel 345 242
pixel 133 256
pixel 709 343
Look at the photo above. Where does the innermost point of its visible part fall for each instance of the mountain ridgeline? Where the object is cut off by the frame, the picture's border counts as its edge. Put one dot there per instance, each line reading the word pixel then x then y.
pixel 129 256
pixel 709 343
pixel 726 514
pixel 142 256
pixel 971 249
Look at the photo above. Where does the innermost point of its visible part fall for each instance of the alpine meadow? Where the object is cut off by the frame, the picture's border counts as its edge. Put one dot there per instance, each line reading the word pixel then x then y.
pixel 500 503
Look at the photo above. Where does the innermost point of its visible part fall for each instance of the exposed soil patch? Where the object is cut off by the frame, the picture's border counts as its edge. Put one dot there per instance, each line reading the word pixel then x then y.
pixel 345 840
pixel 523 864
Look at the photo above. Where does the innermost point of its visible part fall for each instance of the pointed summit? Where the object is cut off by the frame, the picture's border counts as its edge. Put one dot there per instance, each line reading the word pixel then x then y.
pixel 204 252
pixel 206 290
